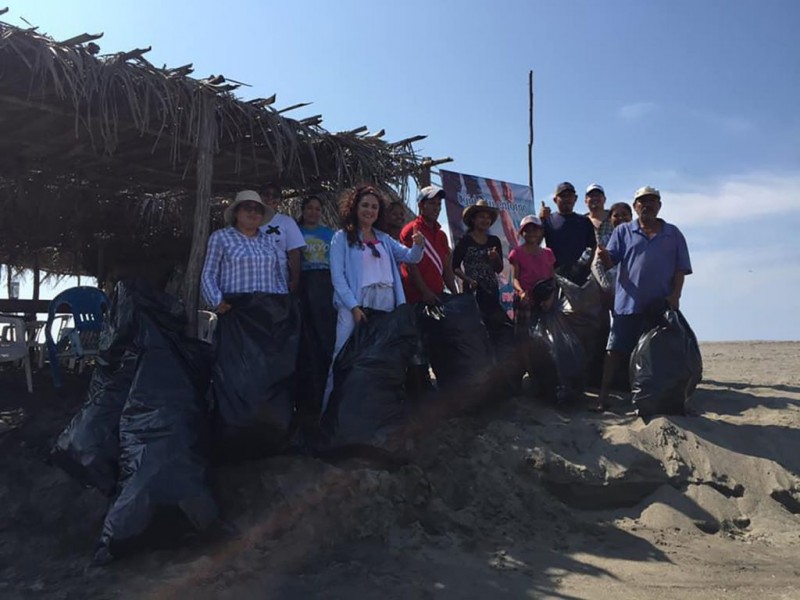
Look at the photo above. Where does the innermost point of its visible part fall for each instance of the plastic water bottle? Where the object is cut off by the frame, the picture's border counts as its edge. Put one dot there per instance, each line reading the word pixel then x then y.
pixel 585 257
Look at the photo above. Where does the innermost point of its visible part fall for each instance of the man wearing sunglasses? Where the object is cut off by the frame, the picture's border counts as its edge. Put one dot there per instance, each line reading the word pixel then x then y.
pixel 288 238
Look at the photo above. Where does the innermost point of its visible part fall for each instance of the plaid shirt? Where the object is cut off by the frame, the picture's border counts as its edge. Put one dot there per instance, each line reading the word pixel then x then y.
pixel 237 264
pixel 602 233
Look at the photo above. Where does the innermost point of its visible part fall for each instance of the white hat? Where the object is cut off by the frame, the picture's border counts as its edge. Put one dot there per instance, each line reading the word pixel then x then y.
pixel 593 187
pixel 243 196
pixel 529 220
pixel 646 191
pixel 429 193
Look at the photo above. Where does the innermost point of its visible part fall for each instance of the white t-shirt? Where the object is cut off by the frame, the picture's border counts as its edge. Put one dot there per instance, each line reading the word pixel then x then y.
pixel 287 237
pixel 376 270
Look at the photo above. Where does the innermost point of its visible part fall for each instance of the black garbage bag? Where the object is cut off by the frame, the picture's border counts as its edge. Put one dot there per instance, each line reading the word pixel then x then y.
pixel 557 348
pixel 456 341
pixel 256 347
pixel 88 449
pixel 665 367
pixel 584 310
pixel 368 403
pixel 317 341
pixel 163 490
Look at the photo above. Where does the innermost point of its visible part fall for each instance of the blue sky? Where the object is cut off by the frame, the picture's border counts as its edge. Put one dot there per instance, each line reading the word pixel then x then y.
pixel 698 98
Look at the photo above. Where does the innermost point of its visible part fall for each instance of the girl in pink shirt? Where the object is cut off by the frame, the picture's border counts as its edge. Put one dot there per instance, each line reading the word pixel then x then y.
pixel 532 264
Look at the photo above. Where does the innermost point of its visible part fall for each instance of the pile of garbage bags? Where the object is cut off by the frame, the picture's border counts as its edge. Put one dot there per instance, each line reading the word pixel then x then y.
pixel 142 436
pixel 162 406
pixel 150 428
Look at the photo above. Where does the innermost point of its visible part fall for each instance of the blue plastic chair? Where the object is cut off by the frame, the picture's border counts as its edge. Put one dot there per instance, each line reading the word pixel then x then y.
pixel 88 305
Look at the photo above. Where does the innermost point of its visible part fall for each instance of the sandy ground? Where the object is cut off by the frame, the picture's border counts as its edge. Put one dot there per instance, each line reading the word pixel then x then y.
pixel 519 501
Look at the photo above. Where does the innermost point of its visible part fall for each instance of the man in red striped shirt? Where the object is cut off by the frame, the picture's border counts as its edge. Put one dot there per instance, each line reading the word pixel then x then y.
pixel 425 281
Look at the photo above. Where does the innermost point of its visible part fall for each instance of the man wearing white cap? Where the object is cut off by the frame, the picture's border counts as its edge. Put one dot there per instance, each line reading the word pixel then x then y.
pixel 595 201
pixel 426 280
pixel 653 260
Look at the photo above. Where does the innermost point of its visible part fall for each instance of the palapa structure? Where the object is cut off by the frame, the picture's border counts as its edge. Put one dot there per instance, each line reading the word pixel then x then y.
pixel 110 164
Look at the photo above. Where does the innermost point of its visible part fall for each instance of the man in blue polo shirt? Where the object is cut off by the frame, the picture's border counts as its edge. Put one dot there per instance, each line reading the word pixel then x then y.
pixel 566 233
pixel 653 260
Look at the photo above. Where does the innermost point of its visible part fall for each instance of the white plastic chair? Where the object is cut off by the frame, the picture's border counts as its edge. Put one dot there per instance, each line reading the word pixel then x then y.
pixel 34 331
pixel 206 325
pixel 13 345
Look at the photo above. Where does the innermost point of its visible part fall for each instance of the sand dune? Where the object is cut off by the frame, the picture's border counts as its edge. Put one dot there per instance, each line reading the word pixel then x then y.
pixel 519 501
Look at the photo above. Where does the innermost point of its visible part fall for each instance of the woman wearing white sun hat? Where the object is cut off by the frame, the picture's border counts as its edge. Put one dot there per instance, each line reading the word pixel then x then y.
pixel 240 258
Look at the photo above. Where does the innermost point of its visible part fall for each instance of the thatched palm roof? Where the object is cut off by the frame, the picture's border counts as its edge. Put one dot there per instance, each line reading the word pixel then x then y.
pixel 98 147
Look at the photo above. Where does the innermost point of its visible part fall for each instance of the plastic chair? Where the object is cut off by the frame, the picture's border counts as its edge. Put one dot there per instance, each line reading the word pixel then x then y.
pixel 33 333
pixel 88 305
pixel 59 329
pixel 13 345
pixel 206 324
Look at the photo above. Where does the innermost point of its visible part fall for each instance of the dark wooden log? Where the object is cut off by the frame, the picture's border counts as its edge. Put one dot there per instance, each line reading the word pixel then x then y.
pixel 202 212
pixel 37 277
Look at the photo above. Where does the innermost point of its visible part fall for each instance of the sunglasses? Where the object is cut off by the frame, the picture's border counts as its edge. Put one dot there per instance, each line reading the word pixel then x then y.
pixel 251 207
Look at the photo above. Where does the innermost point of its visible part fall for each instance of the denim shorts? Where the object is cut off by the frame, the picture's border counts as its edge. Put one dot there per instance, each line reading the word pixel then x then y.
pixel 626 331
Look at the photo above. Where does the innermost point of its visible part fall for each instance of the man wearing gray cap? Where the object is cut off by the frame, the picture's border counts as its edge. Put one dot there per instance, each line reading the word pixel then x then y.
pixel 653 260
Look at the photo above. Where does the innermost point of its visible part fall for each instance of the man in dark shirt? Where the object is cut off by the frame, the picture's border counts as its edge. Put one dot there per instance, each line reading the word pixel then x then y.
pixel 566 233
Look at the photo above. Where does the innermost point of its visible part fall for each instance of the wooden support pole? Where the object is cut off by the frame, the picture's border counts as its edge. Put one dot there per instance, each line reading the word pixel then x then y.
pixel 37 276
pixel 530 130
pixel 424 176
pixel 202 212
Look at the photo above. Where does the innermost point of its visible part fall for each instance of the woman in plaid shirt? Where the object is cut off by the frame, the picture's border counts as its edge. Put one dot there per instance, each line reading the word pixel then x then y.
pixel 240 258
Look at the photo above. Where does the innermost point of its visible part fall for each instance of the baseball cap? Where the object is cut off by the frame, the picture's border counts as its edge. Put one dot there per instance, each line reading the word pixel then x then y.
pixel 529 220
pixel 429 193
pixel 646 191
pixel 565 186
pixel 593 187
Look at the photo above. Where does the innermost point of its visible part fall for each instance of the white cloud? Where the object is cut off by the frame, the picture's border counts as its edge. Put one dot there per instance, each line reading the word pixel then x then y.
pixel 636 111
pixel 739 198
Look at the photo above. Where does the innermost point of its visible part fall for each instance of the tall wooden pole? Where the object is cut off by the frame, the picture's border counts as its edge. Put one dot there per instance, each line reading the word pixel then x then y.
pixel 37 276
pixel 202 212
pixel 530 130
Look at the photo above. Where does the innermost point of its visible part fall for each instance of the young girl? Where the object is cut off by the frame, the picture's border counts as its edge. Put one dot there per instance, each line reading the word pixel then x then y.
pixel 532 264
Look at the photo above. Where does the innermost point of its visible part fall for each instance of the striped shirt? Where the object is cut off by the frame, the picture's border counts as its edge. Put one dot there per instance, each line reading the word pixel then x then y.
pixel 238 264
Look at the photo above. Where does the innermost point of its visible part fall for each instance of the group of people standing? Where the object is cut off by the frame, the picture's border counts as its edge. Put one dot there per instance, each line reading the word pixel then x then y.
pixel 377 261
